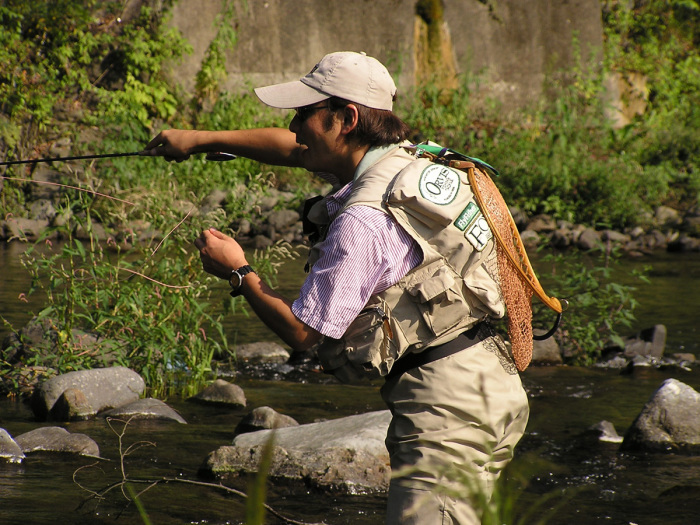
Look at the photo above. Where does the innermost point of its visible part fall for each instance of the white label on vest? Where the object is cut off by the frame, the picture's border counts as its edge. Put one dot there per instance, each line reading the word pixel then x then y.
pixel 439 184
pixel 478 233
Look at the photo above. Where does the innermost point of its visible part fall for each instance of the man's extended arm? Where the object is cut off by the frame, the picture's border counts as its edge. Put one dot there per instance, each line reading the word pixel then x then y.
pixel 275 146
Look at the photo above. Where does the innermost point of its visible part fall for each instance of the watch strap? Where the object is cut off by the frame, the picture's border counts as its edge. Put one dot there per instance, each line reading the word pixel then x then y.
pixel 240 272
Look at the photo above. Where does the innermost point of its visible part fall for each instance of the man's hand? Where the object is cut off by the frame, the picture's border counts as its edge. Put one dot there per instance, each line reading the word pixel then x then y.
pixel 220 254
pixel 173 145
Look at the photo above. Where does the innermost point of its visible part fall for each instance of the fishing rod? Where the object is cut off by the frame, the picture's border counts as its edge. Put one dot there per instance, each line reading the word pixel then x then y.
pixel 215 156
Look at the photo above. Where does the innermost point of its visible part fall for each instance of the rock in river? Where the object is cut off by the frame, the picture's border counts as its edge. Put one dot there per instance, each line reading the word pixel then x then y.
pixel 10 451
pixel 344 455
pixel 670 421
pixel 263 418
pixel 153 409
pixel 57 439
pixel 222 392
pixel 102 388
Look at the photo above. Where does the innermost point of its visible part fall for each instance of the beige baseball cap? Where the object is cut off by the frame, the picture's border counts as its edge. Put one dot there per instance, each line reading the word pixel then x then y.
pixel 346 74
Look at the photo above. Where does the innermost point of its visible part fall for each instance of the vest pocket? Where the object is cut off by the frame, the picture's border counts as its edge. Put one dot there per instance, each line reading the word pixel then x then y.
pixel 364 336
pixel 366 350
pixel 439 301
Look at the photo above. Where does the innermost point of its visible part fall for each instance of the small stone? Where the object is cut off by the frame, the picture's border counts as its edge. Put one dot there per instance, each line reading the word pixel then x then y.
pixel 545 352
pixel 222 392
pixel 262 352
pixel 606 432
pixel 589 239
pixel 264 418
pixel 10 451
pixel 650 342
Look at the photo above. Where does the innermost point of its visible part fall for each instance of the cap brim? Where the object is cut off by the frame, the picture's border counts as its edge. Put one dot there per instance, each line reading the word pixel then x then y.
pixel 290 95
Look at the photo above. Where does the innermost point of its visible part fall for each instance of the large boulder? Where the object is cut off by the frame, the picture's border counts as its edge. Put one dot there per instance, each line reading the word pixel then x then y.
pixel 669 422
pixel 344 455
pixel 101 389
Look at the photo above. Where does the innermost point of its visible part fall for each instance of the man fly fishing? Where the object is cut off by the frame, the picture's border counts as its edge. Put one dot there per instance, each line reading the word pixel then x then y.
pixel 403 280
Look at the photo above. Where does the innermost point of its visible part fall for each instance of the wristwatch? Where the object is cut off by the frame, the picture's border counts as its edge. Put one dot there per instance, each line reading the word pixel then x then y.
pixel 236 279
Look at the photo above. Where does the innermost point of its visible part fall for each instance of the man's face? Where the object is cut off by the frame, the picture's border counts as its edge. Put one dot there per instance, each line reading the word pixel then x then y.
pixel 317 130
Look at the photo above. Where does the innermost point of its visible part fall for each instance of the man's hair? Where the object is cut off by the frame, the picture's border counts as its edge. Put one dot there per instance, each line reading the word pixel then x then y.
pixel 375 127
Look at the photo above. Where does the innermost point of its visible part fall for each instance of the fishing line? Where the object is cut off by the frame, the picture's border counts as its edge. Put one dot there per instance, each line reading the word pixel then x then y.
pixel 217 156
pixel 79 157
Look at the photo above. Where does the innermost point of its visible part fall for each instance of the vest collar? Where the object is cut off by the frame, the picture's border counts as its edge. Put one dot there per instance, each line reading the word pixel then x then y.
pixel 373 155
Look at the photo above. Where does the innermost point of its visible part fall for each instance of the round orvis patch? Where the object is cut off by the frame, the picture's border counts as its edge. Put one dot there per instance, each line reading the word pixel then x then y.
pixel 439 184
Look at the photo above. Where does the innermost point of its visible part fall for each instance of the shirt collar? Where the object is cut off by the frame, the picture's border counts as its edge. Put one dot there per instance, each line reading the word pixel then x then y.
pixel 337 200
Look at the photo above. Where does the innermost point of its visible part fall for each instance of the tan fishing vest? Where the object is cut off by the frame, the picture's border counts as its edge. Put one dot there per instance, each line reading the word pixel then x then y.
pixel 452 289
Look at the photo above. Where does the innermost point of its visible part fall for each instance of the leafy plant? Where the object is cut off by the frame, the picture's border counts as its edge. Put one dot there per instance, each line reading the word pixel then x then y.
pixel 659 39
pixel 145 94
pixel 145 306
pixel 599 307
pixel 149 313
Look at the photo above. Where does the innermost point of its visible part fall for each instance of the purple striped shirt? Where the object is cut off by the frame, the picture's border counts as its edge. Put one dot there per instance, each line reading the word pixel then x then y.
pixel 365 252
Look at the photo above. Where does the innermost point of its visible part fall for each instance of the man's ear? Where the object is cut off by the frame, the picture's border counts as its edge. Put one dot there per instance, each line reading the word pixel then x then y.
pixel 351 117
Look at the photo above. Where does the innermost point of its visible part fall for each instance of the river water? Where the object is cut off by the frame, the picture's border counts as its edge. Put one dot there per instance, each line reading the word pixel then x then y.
pixel 600 484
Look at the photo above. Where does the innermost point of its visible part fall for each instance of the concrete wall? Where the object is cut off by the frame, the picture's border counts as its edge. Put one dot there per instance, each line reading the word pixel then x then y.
pixel 514 43
pixel 521 42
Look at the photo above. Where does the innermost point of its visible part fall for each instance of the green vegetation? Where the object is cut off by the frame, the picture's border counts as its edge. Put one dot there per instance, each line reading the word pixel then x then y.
pixel 562 156
pixel 149 307
pixel 147 300
pixel 149 310
pixel 599 307
pixel 660 39
pixel 99 78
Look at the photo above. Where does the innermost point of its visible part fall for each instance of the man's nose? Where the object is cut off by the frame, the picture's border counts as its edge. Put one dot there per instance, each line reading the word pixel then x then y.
pixel 294 124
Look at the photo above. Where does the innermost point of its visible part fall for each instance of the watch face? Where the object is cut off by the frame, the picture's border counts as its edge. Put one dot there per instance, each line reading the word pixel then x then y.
pixel 235 280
